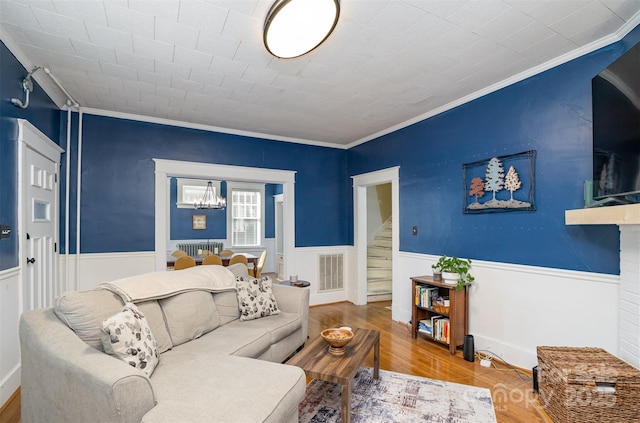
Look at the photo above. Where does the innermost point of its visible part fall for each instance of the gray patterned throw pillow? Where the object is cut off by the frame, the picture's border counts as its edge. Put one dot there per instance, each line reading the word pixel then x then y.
pixel 255 298
pixel 127 336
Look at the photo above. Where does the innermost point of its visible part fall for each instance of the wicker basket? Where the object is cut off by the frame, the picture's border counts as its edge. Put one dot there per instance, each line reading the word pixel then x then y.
pixel 587 385
pixel 440 308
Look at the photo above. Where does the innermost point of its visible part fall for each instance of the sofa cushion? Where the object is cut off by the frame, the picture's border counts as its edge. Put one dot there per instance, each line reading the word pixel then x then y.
pixel 239 269
pixel 255 298
pixel 278 326
pixel 227 306
pixel 220 388
pixel 84 312
pixel 127 336
pixel 189 315
pixel 230 340
pixel 153 313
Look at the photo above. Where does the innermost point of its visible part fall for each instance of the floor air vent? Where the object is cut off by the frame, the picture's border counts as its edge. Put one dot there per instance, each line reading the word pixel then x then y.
pixel 330 272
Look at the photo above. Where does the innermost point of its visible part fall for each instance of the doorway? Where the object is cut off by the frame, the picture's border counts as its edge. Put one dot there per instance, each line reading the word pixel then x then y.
pixel 379 238
pixel 164 168
pixel 361 184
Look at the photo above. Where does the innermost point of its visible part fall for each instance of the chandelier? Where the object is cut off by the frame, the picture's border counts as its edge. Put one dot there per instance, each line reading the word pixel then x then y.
pixel 210 200
pixel 295 27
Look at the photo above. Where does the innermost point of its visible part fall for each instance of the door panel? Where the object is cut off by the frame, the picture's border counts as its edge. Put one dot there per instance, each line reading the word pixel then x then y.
pixel 40 231
pixel 38 223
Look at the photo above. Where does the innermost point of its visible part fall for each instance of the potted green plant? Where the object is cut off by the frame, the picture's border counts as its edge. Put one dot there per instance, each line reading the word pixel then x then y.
pixel 455 271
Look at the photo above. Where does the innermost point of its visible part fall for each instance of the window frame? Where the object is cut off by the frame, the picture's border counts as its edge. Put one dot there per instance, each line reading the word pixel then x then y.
pixel 245 186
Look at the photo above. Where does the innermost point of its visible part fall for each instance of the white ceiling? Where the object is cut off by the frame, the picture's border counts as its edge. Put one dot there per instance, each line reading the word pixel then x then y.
pixel 389 63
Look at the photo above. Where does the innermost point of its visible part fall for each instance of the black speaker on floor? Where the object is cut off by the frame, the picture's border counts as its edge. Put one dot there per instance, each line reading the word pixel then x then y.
pixel 468 348
pixel 534 371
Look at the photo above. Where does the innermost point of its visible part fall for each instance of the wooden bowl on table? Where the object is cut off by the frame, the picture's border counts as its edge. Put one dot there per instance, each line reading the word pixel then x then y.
pixel 337 338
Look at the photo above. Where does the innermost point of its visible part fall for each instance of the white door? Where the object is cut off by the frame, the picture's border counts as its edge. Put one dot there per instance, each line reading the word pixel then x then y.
pixel 39 218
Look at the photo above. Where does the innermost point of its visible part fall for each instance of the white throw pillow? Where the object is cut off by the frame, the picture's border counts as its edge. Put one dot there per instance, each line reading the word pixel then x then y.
pixel 127 336
pixel 255 298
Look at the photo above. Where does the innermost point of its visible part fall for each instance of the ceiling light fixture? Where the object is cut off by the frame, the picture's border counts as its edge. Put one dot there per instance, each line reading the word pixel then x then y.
pixel 295 27
pixel 210 200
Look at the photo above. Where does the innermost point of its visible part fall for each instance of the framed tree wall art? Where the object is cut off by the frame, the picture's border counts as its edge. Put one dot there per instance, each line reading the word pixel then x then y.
pixel 500 184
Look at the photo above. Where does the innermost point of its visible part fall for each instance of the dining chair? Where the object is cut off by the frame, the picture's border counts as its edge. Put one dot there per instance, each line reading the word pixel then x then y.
pixel 238 258
pixel 206 253
pixel 226 253
pixel 212 259
pixel 179 253
pixel 184 262
pixel 257 271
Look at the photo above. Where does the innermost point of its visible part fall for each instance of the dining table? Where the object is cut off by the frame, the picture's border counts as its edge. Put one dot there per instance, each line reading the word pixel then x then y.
pixel 225 259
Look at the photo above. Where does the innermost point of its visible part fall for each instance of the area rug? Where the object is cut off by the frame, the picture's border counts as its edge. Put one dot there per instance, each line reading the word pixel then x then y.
pixel 397 397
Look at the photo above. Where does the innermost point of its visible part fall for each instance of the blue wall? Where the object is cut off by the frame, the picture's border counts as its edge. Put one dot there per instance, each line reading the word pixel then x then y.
pixel 550 113
pixel 270 209
pixel 182 219
pixel 42 113
pixel 118 180
pixel 181 227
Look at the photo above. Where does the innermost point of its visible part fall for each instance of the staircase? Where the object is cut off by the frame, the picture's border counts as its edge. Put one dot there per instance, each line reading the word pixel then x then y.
pixel 379 265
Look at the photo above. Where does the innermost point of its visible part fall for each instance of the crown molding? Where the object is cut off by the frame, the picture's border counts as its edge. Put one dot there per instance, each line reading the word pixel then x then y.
pixel 567 57
pixel 209 128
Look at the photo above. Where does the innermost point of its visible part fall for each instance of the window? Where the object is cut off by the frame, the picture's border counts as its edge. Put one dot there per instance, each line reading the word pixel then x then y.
pixel 192 190
pixel 245 214
pixel 246 217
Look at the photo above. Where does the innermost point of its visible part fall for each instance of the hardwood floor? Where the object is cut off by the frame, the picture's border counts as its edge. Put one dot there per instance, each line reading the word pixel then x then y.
pixel 513 398
pixel 10 412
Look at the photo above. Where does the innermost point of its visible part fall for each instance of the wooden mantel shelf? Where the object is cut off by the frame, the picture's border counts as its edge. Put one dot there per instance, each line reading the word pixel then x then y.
pixel 628 214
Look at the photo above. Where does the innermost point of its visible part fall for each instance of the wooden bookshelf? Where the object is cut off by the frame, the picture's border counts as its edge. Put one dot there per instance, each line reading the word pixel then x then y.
pixel 458 313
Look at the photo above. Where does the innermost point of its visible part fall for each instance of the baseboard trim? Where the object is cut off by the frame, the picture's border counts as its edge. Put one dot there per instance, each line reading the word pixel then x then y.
pixel 9 386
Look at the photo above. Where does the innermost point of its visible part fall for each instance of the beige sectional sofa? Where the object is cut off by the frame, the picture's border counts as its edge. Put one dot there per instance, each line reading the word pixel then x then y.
pixel 212 366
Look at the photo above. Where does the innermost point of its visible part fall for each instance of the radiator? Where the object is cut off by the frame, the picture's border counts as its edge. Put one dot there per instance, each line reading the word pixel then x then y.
pixel 195 248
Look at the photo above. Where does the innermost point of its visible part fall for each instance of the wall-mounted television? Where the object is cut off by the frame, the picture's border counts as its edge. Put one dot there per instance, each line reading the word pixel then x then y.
pixel 616 131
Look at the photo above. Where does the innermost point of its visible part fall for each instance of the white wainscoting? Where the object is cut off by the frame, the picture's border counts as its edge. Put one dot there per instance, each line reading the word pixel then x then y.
pixel 306 267
pixel 10 310
pixel 514 308
pixel 629 314
pixel 102 267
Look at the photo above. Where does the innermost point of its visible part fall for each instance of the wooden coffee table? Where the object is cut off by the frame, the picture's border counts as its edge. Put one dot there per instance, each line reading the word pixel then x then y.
pixel 317 363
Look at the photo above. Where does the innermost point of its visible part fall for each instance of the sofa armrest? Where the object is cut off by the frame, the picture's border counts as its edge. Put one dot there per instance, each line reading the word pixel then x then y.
pixel 64 379
pixel 292 299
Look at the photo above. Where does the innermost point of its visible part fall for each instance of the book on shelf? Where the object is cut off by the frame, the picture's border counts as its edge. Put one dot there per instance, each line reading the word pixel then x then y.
pixel 433 296
pixel 425 296
pixel 440 328
pixel 424 326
